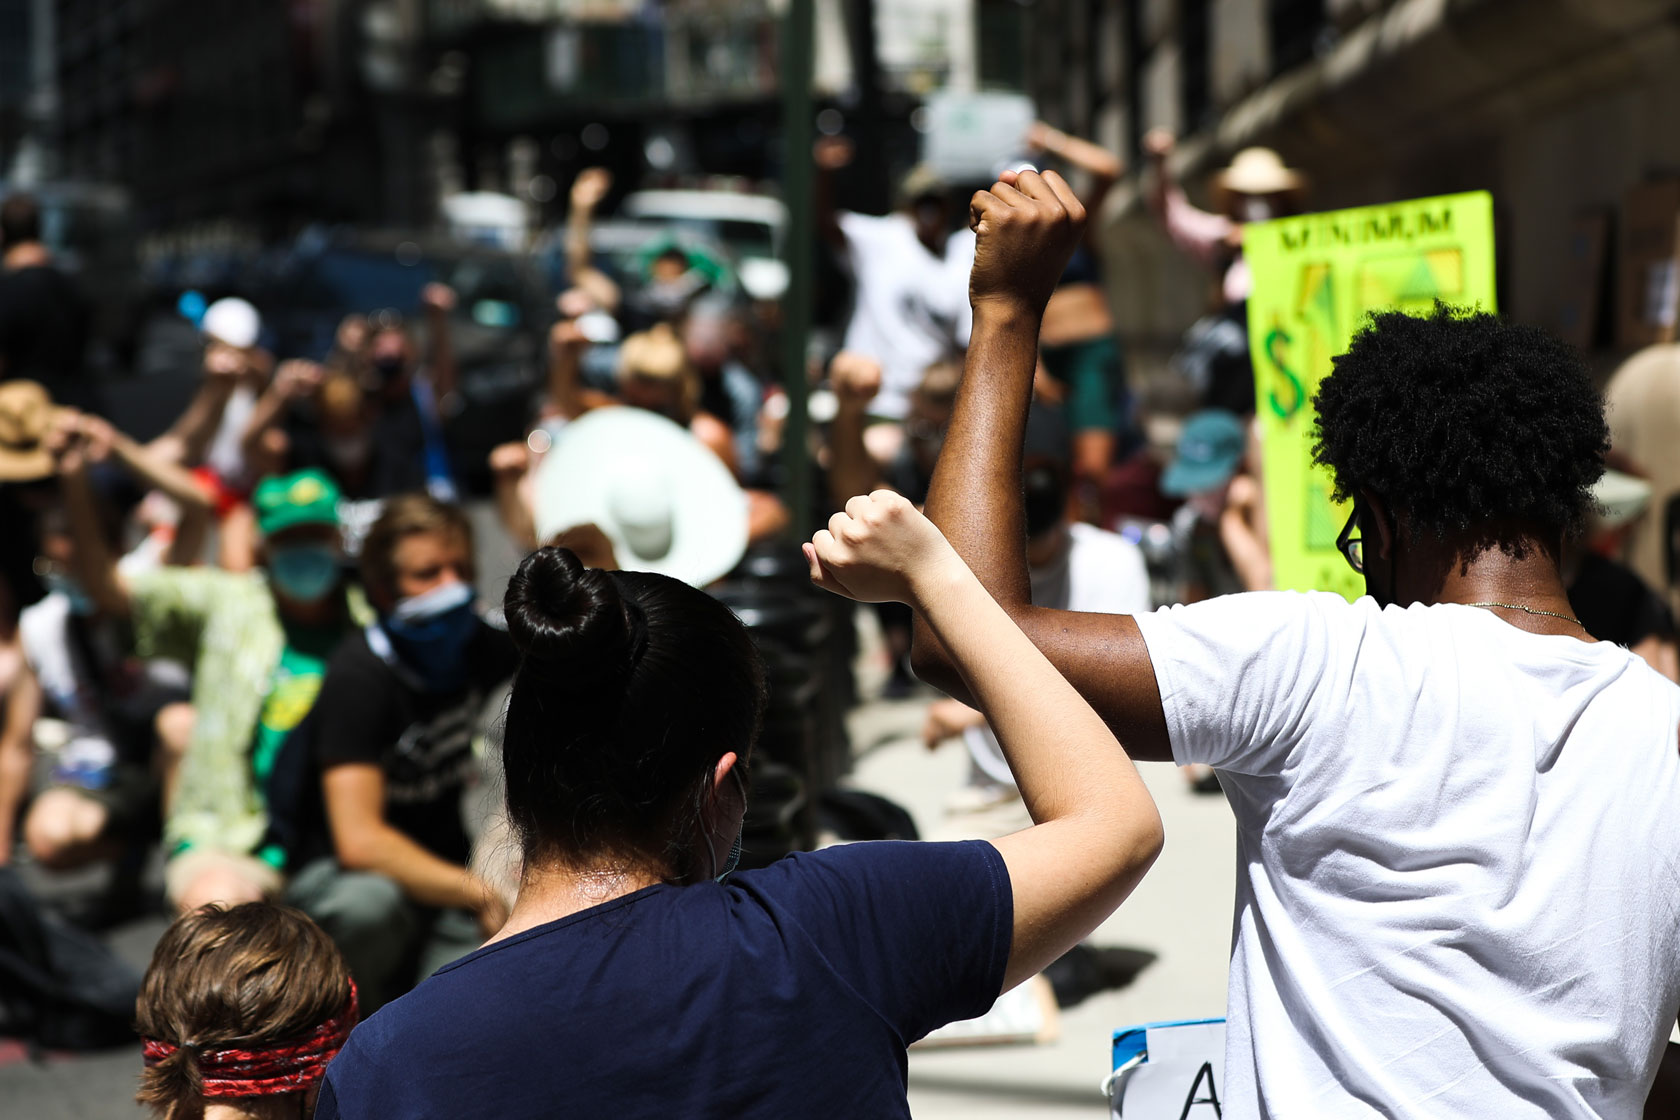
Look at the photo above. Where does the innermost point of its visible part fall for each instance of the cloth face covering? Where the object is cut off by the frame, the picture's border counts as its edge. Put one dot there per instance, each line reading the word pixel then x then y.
pixel 430 633
pixel 80 604
pixel 270 1070
pixel 304 572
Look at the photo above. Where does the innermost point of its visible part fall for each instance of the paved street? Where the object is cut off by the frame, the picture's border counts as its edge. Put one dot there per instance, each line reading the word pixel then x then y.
pixel 1181 913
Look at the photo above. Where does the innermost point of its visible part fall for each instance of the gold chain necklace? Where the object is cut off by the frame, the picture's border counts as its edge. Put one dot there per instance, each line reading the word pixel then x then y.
pixel 1528 610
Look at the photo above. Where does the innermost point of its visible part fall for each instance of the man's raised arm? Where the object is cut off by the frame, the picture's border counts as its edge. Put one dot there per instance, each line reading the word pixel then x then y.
pixel 1026 228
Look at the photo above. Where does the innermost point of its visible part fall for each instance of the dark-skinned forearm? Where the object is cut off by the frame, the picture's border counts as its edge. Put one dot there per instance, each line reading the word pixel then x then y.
pixel 975 500
pixel 975 497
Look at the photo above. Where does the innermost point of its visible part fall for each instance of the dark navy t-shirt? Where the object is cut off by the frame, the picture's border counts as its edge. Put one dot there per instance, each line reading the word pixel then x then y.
pixel 789 991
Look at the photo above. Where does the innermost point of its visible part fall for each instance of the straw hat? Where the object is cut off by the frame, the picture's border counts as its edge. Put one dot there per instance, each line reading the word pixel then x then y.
pixel 26 418
pixel 1259 171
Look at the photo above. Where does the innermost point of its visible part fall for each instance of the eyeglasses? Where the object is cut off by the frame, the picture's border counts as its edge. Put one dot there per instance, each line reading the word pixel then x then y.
pixel 1349 544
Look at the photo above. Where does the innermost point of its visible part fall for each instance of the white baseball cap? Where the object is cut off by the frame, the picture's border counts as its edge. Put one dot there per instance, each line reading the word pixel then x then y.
pixel 233 321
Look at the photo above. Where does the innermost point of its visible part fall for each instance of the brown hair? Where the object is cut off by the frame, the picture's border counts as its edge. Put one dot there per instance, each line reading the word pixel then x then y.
pixel 252 976
pixel 404 516
pixel 340 398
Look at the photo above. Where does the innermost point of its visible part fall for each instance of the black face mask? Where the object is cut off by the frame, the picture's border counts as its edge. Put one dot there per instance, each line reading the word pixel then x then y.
pixel 388 368
pixel 1045 499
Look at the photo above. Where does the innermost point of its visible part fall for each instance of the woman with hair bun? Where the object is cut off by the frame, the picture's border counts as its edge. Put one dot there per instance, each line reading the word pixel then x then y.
pixel 632 979
pixel 240 1012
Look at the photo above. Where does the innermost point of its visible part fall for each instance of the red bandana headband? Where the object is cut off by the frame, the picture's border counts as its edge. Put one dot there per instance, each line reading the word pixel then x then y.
pixel 269 1070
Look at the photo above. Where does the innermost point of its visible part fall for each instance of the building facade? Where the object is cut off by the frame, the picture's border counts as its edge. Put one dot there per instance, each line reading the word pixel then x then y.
pixel 1558 107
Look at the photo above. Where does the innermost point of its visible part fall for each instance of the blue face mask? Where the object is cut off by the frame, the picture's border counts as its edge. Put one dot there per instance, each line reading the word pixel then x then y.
pixel 430 634
pixel 304 573
pixel 59 583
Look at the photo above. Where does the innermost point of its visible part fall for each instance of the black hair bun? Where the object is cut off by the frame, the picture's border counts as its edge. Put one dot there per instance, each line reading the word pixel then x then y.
pixel 568 618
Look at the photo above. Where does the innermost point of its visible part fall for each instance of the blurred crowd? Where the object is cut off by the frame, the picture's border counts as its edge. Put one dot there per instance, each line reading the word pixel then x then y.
pixel 256 639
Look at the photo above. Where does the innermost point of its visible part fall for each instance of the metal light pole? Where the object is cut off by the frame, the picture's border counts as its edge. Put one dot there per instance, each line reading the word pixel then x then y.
pixel 800 242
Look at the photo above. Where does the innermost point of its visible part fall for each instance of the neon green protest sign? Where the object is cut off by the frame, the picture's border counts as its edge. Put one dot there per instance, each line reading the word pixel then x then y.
pixel 1316 278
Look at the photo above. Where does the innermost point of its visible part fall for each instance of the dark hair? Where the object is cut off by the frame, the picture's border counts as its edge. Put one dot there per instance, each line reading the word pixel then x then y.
pixel 252 976
pixel 1463 424
pixel 20 221
pixel 404 516
pixel 630 687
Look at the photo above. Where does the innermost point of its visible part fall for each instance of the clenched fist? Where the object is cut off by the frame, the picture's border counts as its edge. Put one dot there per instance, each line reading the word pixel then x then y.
pixel 879 549
pixel 437 298
pixel 590 187
pixel 856 378
pixel 1026 228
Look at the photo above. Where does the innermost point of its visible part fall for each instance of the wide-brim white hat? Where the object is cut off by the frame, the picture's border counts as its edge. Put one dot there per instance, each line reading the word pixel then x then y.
pixel 664 500
pixel 1620 498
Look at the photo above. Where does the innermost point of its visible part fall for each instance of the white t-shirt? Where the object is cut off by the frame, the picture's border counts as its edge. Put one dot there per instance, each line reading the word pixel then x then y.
pixel 911 308
pixel 1099 572
pixel 1458 853
pixel 225 455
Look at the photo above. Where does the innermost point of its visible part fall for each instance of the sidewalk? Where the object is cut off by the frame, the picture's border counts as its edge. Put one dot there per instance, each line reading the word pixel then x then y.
pixel 1181 912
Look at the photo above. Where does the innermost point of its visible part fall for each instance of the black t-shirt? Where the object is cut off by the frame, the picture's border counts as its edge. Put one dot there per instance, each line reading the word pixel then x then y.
pixel 396 457
pixel 372 710
pixel 1615 605
pixel 44 322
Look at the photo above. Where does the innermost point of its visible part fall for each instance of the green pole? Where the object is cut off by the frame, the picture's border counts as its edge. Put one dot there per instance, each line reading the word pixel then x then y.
pixel 800 244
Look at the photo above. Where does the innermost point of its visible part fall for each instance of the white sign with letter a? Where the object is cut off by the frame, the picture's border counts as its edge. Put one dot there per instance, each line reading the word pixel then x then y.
pixel 1169 1071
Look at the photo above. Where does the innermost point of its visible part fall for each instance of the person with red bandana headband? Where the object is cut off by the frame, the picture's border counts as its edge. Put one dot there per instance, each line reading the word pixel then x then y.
pixel 240 1012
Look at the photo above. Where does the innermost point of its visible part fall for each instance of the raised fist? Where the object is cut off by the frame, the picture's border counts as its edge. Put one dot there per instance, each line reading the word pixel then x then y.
pixel 1026 228
pixel 877 550
pixel 296 378
pixel 856 378
pixel 1158 143
pixel 590 187
pixel 831 153
pixel 439 298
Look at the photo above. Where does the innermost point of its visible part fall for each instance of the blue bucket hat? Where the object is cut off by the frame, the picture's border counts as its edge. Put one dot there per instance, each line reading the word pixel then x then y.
pixel 1209 451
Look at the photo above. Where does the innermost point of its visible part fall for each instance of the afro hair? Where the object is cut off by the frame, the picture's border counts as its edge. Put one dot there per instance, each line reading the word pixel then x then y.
pixel 1461 423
